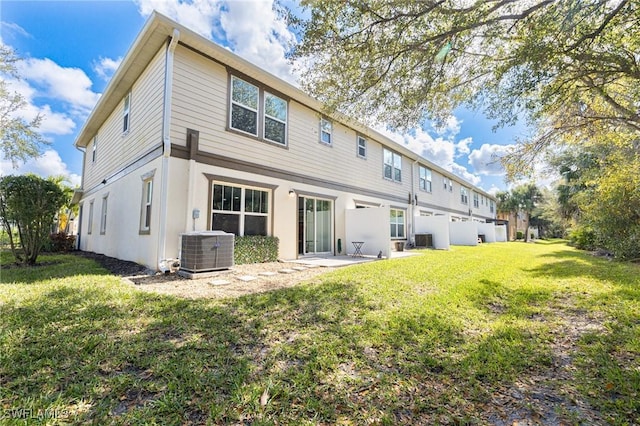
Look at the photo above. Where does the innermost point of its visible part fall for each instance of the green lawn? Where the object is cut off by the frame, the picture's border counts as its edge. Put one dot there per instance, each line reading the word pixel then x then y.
pixel 478 335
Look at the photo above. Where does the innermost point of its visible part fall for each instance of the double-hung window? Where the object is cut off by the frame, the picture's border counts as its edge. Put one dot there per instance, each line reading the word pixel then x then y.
pixel 90 224
pixel 126 115
pixel 397 223
pixel 425 179
pixel 257 112
pixel 392 166
pixel 326 131
pixel 94 149
pixel 147 199
pixel 464 195
pixel 240 210
pixel 476 200
pixel 103 215
pixel 275 119
pixel 244 106
pixel 491 206
pixel 362 147
pixel 448 184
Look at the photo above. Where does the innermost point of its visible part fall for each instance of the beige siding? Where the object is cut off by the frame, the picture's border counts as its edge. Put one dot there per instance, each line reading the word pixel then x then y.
pixel 115 149
pixel 200 103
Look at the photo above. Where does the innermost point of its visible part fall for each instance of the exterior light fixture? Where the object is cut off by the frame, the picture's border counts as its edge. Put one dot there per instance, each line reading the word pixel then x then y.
pixel 292 193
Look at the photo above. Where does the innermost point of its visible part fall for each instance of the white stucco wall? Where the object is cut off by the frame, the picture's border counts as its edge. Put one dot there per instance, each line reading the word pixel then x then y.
pixel 438 226
pixel 463 233
pixel 370 225
pixel 489 231
pixel 501 233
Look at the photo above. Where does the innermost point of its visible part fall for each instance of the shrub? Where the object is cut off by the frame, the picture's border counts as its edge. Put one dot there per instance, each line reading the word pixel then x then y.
pixel 61 242
pixel 519 235
pixel 583 238
pixel 255 249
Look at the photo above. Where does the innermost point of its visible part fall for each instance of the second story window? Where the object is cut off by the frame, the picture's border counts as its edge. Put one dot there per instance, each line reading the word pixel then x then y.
pixel 362 147
pixel 476 200
pixel 256 112
pixel 326 130
pixel 491 206
pixel 392 166
pixel 425 179
pixel 94 149
pixel 126 115
pixel 447 184
pixel 244 106
pixel 464 195
pixel 275 118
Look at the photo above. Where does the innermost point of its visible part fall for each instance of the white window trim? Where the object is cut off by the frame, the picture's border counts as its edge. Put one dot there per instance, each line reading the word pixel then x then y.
pixel 232 102
pixel 147 201
pixel 404 225
pixel 429 173
pixel 394 155
pixel 242 213
pixel 90 224
pixel 330 133
pixel 94 149
pixel 126 114
pixel 103 214
pixel 363 145
pixel 264 125
pixel 464 195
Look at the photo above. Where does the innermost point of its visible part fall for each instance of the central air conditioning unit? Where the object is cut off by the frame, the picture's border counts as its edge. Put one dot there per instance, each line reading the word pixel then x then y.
pixel 424 240
pixel 206 251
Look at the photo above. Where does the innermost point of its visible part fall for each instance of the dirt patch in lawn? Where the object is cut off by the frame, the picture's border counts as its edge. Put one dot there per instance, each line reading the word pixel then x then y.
pixel 237 281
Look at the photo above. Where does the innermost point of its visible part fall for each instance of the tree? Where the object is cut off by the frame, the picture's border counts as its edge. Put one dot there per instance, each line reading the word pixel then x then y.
pixel 19 139
pixel 567 66
pixel 29 203
pixel 520 200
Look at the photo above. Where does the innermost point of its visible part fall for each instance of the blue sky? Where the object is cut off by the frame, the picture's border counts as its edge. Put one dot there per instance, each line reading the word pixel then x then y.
pixel 71 49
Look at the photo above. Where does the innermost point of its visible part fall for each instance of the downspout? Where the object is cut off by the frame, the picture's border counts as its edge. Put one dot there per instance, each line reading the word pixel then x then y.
pixel 163 265
pixel 414 201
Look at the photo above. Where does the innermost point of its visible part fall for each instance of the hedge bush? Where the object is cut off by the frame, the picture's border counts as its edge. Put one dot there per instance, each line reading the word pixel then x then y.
pixel 583 238
pixel 255 249
pixel 61 242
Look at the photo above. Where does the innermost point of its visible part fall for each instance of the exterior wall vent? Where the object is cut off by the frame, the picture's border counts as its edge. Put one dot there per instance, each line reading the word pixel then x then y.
pixel 206 251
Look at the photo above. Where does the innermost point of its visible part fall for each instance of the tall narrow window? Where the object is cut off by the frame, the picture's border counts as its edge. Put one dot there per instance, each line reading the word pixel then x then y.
pixel 147 198
pixel 397 223
pixel 476 200
pixel 103 215
pixel 94 149
pixel 448 184
pixel 126 116
pixel 244 106
pixel 464 195
pixel 275 119
pixel 362 147
pixel 90 225
pixel 491 206
pixel 326 129
pixel 392 165
pixel 425 179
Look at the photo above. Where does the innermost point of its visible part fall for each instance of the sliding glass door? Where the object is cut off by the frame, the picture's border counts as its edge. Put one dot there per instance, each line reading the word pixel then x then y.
pixel 314 226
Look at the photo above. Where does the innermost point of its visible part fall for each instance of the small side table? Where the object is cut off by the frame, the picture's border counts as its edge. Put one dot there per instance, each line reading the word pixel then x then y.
pixel 357 246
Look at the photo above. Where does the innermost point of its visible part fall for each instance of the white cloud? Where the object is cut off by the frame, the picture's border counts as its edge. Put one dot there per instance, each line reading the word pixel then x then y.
pixel 105 67
pixel 48 164
pixel 250 29
pixel 70 85
pixel 486 160
pixel 450 127
pixel 197 15
pixel 440 151
pixel 54 123
pixel 13 28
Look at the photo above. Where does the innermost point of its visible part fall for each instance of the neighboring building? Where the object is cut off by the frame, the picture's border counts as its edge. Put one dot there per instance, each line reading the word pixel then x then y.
pixel 188 136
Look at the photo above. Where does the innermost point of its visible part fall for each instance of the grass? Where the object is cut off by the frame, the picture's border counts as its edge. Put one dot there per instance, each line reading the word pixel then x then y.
pixel 435 338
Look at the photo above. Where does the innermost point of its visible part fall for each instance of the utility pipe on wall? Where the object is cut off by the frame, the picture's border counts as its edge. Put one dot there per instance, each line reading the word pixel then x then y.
pixel 166 152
